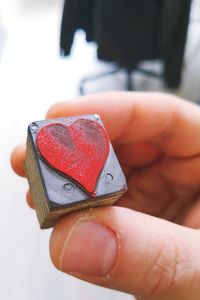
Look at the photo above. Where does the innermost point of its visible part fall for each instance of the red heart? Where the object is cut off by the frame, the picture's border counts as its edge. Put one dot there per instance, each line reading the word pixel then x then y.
pixel 78 150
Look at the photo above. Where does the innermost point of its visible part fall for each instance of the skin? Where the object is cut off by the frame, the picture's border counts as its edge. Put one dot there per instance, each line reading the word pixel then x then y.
pixel 157 140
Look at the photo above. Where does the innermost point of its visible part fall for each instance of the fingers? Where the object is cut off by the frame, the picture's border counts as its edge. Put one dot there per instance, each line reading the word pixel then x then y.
pixel 129 251
pixel 138 154
pixel 17 160
pixel 167 122
pixel 168 188
pixel 181 172
pixel 121 112
pixel 144 124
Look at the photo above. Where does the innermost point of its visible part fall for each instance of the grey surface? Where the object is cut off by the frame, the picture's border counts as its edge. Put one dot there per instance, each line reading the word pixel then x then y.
pixel 54 182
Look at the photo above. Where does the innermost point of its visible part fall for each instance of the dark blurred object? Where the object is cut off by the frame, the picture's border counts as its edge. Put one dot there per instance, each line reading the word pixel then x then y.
pixel 130 31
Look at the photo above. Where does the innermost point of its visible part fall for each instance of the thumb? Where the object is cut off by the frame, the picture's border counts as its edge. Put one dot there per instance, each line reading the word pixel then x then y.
pixel 129 251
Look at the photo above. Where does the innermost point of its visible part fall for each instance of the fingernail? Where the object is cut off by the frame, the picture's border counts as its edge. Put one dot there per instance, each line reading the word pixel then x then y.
pixel 90 249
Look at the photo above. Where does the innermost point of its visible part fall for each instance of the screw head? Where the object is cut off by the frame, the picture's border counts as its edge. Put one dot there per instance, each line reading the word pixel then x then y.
pixel 68 188
pixel 96 117
pixel 109 177
pixel 34 127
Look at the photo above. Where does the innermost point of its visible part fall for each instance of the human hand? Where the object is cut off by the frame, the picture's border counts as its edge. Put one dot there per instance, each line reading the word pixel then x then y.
pixel 143 245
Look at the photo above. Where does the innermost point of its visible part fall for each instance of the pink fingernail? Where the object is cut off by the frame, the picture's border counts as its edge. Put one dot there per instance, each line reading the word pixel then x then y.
pixel 90 249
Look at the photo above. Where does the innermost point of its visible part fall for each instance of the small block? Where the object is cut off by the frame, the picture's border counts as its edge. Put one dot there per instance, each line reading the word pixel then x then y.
pixel 71 165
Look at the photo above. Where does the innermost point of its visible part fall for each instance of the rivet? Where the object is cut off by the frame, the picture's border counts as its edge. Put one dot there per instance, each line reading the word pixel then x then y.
pixel 68 188
pixel 96 117
pixel 109 177
pixel 34 127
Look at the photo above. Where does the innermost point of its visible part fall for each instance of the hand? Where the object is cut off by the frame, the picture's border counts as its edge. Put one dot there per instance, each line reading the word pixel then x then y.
pixel 137 246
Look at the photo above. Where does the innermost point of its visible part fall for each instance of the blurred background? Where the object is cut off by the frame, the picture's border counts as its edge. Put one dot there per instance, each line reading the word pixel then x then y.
pixel 32 77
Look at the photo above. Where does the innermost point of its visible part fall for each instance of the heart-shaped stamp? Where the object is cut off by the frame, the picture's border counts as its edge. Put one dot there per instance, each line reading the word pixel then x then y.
pixel 78 150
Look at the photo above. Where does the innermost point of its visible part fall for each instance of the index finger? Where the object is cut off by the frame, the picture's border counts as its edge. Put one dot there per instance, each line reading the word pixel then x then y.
pixel 168 122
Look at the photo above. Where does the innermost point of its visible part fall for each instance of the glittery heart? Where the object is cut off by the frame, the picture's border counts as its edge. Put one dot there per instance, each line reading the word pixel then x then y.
pixel 78 150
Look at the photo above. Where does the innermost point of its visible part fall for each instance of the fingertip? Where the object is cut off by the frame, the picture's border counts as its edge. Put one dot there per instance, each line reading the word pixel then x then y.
pixel 29 199
pixel 17 160
pixel 56 110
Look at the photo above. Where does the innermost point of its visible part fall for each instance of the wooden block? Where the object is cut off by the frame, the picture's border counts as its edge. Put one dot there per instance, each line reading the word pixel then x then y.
pixel 71 165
